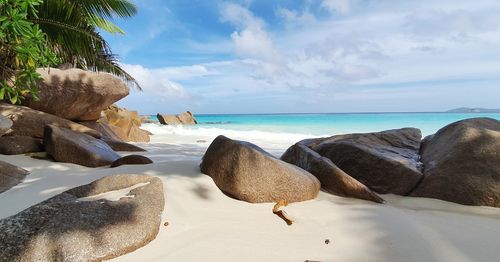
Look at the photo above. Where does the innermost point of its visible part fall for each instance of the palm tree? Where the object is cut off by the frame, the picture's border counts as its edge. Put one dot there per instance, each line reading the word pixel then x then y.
pixel 72 30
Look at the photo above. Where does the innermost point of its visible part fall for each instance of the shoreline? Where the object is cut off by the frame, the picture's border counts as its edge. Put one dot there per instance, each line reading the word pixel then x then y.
pixel 289 129
pixel 204 223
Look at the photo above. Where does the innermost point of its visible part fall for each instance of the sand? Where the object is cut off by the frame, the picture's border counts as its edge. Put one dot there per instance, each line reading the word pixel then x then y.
pixel 206 225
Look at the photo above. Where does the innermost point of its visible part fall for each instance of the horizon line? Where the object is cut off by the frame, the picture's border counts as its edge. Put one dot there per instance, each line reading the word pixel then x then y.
pixel 339 113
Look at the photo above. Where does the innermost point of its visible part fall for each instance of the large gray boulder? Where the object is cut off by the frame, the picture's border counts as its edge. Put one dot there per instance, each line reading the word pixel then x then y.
pixel 386 162
pixel 5 124
pixel 69 146
pixel 246 172
pixel 333 179
pixel 462 163
pixel 29 122
pixel 76 94
pixel 16 145
pixel 86 223
pixel 10 175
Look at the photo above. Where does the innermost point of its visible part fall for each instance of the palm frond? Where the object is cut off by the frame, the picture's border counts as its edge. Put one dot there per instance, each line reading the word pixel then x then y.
pixel 76 40
pixel 100 12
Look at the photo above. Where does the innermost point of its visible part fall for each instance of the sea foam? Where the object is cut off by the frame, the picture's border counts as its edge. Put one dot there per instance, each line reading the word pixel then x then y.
pixel 202 135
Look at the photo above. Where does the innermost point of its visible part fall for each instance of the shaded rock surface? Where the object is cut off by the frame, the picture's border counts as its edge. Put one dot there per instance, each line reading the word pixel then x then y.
pixel 122 146
pixel 68 146
pixel 10 176
pixel 107 131
pixel 77 94
pixel 29 122
pixel 128 122
pixel 246 172
pixel 132 160
pixel 333 179
pixel 386 162
pixel 86 223
pixel 462 163
pixel 5 125
pixel 185 118
pixel 15 145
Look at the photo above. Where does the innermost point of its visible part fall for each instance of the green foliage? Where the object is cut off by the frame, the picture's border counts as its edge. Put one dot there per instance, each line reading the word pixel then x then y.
pixel 23 48
pixel 72 29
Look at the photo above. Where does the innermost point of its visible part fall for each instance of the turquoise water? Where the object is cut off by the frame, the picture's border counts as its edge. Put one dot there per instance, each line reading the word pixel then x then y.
pixel 330 124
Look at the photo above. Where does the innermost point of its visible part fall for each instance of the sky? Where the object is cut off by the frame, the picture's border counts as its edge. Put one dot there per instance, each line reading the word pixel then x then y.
pixel 311 56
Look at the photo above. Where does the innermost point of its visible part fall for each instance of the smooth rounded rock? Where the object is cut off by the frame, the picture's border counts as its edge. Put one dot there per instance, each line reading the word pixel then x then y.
pixel 132 160
pixel 68 146
pixel 107 218
pixel 246 172
pixel 333 179
pixel 76 94
pixel 386 162
pixel 462 163
pixel 29 122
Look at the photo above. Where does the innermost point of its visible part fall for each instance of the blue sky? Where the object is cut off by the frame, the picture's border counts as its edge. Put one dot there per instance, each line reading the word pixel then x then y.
pixel 264 56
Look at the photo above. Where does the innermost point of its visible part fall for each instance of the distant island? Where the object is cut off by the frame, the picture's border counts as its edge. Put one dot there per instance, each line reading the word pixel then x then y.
pixel 473 110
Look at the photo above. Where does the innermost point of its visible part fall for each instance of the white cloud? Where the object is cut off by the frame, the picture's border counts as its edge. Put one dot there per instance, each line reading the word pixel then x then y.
pixel 339 6
pixel 182 72
pixel 252 40
pixel 295 17
pixel 240 16
pixel 156 82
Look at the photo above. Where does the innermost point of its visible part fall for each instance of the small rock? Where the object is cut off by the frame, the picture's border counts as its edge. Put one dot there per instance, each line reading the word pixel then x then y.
pixel 132 160
pixel 122 146
pixel 40 156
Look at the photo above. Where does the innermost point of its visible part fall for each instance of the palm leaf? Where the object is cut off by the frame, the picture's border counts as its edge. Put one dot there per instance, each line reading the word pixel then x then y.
pixel 100 12
pixel 73 35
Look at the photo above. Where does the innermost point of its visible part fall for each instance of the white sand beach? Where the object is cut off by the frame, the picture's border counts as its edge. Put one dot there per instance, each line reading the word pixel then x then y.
pixel 206 225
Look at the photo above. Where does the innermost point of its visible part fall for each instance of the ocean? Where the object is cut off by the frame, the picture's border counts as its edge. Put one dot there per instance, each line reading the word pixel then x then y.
pixel 279 130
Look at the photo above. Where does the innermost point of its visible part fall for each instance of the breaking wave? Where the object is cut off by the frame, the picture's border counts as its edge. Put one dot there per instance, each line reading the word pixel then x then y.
pixel 205 134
